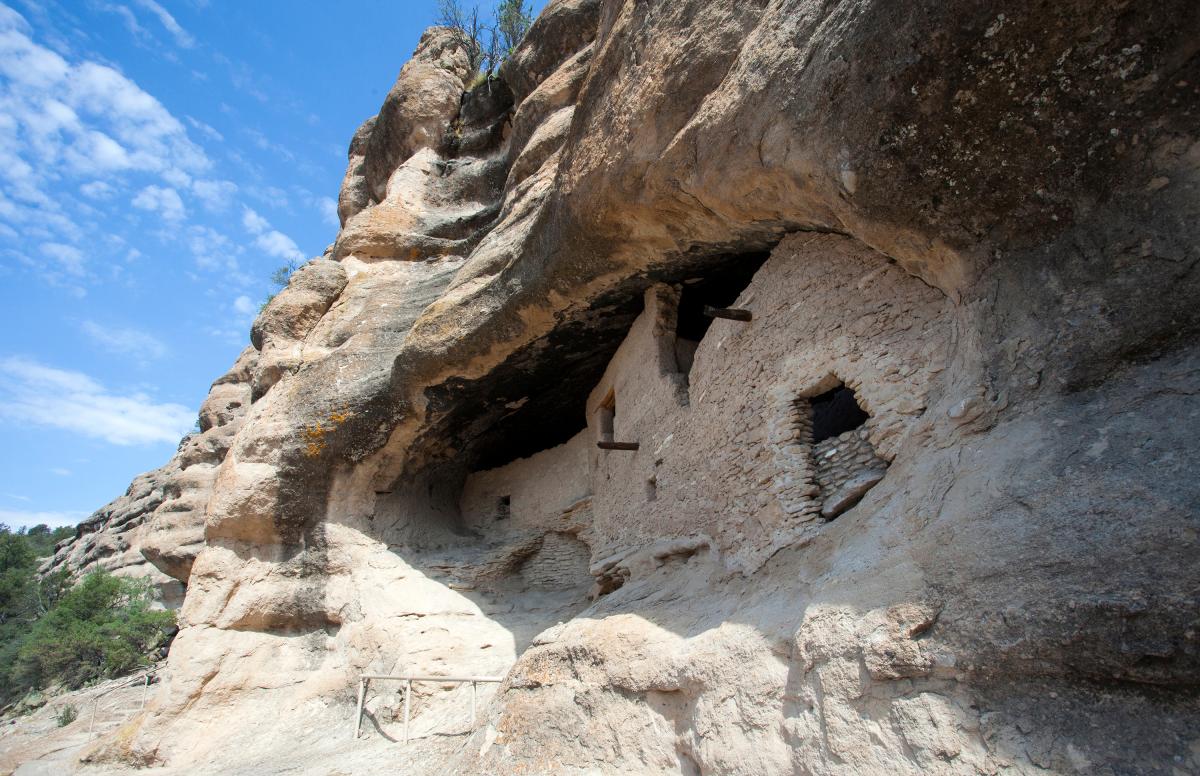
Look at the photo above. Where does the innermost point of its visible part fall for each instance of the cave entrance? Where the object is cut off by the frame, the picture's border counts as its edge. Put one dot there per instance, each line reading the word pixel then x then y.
pixel 719 287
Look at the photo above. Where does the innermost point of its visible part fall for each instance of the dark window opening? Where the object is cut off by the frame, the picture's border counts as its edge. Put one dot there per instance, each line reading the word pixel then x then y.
pixel 608 418
pixel 652 489
pixel 719 287
pixel 504 508
pixel 835 412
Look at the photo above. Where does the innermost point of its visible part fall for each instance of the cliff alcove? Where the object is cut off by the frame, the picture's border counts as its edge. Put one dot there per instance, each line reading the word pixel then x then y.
pixel 971 341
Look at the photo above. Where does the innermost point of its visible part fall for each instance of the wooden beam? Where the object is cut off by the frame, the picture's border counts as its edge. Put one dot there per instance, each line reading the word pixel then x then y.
pixel 728 313
pixel 618 445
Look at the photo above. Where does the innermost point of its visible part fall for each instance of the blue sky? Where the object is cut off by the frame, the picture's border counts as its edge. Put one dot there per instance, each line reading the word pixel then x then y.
pixel 158 160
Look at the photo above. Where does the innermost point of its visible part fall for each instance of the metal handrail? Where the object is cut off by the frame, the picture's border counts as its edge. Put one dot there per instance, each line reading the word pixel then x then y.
pixel 144 677
pixel 364 680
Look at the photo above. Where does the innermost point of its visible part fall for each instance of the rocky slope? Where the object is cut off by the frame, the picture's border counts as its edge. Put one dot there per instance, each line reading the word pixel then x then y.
pixel 979 228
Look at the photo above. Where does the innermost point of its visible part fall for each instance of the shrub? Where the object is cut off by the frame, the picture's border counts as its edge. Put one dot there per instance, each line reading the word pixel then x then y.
pixel 102 627
pixel 510 19
pixel 66 715
pixel 50 634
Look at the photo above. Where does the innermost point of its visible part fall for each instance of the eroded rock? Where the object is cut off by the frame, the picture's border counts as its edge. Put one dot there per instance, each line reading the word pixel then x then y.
pixel 951 212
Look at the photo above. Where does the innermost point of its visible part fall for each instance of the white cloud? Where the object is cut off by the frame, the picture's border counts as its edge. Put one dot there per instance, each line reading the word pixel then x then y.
pixel 205 129
pixel 162 200
pixel 69 258
pixel 127 16
pixel 44 396
pixel 215 251
pixel 254 223
pixel 270 241
pixel 97 190
pixel 328 208
pixel 243 305
pixel 264 143
pixel 124 341
pixel 182 38
pixel 22 519
pixel 177 178
pixel 216 195
pixel 84 118
pixel 61 472
pixel 279 245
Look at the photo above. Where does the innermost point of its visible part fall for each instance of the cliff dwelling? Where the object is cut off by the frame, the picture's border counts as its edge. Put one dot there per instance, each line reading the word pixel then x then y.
pixel 723 388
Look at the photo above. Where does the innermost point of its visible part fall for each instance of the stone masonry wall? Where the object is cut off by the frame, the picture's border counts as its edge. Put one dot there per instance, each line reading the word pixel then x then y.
pixel 539 488
pixel 730 464
pixel 841 457
pixel 561 562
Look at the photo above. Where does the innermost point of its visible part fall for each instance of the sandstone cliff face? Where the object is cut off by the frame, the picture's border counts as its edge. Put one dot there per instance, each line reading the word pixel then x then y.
pixel 977 228
pixel 156 529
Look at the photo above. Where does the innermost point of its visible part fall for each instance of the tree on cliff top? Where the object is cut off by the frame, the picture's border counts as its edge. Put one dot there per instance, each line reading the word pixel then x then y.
pixel 451 13
pixel 511 19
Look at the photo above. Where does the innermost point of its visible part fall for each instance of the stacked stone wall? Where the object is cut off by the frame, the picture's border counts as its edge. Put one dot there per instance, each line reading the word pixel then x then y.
pixel 843 457
pixel 734 461
pixel 561 562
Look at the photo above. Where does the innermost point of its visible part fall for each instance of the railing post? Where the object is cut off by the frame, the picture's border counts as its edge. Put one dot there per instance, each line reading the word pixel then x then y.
pixel 407 706
pixel 145 689
pixel 362 694
pixel 473 685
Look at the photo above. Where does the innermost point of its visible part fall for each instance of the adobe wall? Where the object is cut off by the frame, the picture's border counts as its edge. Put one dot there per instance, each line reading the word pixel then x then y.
pixel 536 531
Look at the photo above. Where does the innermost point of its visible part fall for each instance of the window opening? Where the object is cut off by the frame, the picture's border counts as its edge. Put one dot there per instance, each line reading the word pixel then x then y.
pixel 608 417
pixel 834 413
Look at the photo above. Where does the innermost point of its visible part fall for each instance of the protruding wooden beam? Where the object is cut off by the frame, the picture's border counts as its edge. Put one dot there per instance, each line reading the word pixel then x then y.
pixel 728 313
pixel 618 445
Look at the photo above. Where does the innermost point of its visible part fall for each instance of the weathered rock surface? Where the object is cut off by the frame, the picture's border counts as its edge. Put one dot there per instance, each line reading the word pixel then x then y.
pixel 156 529
pixel 984 224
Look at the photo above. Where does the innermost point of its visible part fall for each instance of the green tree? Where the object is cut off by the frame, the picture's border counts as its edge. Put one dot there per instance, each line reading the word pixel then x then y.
pixel 49 634
pixel 105 626
pixel 513 19
pixel 279 279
